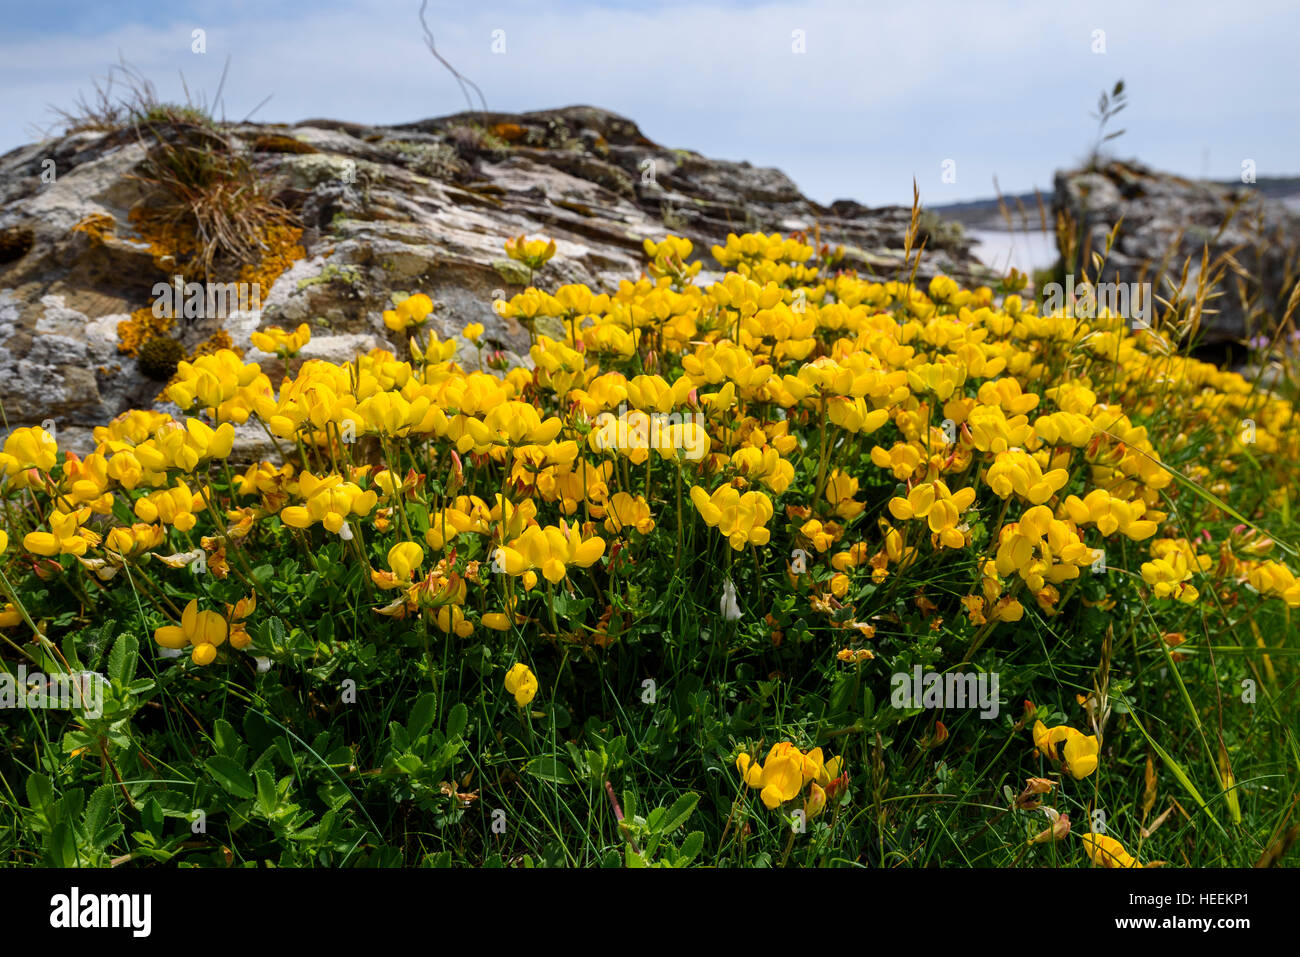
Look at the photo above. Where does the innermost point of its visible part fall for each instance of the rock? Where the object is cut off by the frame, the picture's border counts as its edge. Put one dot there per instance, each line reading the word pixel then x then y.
pixel 423 207
pixel 1165 219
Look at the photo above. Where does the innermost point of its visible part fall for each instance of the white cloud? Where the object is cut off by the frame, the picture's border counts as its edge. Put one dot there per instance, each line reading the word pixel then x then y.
pixel 883 92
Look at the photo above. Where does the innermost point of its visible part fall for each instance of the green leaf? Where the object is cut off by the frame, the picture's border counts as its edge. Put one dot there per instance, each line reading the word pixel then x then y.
pixel 61 849
pixel 40 793
pixel 72 804
pixel 409 764
pixel 571 608
pixel 549 768
pixel 691 848
pixel 123 658
pixel 101 805
pixel 225 738
pixel 422 713
pixel 151 815
pixel 70 653
pixel 679 813
pixel 401 740
pixel 267 799
pixel 457 720
pixel 227 772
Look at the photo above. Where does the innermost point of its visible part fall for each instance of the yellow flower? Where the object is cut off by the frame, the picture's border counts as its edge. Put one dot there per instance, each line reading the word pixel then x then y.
pixel 1170 577
pixel 815 803
pixel 626 511
pixel 174 506
pixel 750 772
pixel 533 253
pixel 1110 514
pixel 1017 471
pixel 1273 578
pixel 1041 549
pixel 943 288
pixel 783 775
pixel 277 340
pixel 840 489
pixel 329 501
pixel 450 619
pixel 1107 852
pixel 739 517
pixel 86 481
pixel 522 683
pixel 411 311
pixel 66 536
pixel 202 630
pixel 518 423
pixel 941 509
pixel 404 559
pixel 220 382
pixel 134 541
pixel 551 550
pixel 28 448
pixel 1078 752
pixel 473 332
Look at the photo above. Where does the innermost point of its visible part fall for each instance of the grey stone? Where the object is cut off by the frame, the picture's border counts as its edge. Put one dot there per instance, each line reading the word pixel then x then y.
pixel 423 207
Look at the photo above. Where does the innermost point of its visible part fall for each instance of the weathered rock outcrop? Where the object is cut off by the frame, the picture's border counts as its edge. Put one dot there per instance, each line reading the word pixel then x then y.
pixel 420 207
pixel 1164 219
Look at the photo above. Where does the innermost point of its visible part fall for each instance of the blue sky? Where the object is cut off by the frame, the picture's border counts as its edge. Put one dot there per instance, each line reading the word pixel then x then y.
pixel 884 91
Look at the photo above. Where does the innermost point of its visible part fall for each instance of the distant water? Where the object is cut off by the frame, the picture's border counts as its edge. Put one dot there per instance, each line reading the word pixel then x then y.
pixel 1026 251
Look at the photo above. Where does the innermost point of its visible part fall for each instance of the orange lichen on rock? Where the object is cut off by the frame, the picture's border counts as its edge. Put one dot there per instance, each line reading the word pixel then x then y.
pixel 215 343
pixel 510 132
pixel 172 244
pixel 140 328
pixel 281 250
pixel 174 248
pixel 276 143
pixel 96 226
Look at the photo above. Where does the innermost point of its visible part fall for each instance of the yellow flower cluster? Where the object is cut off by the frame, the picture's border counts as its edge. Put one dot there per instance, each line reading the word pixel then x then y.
pixel 522 683
pixel 410 312
pixel 204 631
pixel 1105 851
pixel 1075 751
pixel 787 771
pixel 783 402
pixel 280 342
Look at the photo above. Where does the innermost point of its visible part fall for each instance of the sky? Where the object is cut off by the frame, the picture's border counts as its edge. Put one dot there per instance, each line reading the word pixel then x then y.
pixel 881 92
